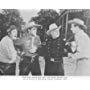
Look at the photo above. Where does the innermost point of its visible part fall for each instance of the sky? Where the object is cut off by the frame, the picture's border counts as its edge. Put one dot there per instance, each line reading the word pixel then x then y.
pixel 28 13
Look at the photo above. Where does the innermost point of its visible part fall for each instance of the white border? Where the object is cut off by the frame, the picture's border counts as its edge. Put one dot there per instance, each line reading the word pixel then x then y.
pixel 17 83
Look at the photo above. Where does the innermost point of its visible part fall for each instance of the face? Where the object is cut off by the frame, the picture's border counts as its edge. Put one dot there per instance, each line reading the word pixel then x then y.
pixel 55 34
pixel 34 30
pixel 74 28
pixel 13 34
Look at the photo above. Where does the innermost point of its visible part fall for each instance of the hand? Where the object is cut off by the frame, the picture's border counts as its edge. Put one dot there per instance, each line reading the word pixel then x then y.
pixel 33 50
pixel 14 61
pixel 52 59
pixel 67 43
pixel 73 56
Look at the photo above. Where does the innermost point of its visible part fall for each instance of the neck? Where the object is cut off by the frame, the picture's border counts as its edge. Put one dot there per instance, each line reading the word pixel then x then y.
pixel 54 37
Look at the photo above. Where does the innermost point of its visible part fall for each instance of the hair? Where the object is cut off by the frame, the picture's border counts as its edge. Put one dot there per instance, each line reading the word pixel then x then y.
pixel 12 27
pixel 27 30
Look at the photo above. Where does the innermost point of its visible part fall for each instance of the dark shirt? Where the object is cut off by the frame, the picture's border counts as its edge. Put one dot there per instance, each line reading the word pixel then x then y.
pixel 54 48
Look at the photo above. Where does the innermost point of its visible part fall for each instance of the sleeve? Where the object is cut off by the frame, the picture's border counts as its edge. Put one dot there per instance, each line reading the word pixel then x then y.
pixel 81 45
pixel 11 50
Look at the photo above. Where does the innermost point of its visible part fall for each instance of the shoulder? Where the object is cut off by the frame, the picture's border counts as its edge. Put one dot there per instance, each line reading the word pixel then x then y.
pixel 85 36
pixel 6 39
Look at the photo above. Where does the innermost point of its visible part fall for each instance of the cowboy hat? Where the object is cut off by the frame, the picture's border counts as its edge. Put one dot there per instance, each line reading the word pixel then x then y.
pixel 53 27
pixel 12 27
pixel 32 24
pixel 77 21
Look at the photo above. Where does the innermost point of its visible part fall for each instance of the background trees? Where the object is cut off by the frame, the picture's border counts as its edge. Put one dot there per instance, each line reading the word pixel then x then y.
pixel 9 17
pixel 45 17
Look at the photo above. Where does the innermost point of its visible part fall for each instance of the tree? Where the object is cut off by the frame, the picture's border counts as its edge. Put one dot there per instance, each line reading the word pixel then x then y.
pixel 9 17
pixel 45 18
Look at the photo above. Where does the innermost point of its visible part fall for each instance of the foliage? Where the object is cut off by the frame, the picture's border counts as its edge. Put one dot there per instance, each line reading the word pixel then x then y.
pixel 9 17
pixel 45 18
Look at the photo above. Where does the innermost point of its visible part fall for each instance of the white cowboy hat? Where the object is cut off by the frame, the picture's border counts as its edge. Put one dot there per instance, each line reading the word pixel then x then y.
pixel 77 21
pixel 53 27
pixel 32 24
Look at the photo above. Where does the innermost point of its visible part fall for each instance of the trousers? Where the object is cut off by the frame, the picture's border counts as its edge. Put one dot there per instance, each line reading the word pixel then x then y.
pixel 7 69
pixel 26 66
pixel 54 68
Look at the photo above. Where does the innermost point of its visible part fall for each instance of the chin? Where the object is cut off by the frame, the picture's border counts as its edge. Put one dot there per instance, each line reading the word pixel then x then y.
pixel 55 37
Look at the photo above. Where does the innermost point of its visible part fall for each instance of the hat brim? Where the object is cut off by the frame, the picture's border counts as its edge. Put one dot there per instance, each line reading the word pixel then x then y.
pixel 36 25
pixel 73 22
pixel 50 30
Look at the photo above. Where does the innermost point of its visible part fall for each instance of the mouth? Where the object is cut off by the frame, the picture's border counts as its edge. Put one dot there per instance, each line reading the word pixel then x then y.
pixel 15 36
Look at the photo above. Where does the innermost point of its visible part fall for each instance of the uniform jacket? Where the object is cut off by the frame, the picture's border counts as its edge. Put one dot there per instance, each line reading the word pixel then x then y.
pixel 55 48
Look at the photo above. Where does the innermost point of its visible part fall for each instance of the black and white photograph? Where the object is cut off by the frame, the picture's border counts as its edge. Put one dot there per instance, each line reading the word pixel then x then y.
pixel 44 42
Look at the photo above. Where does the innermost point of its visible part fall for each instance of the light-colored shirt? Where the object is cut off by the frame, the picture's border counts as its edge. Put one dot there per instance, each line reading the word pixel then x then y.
pixel 83 44
pixel 7 50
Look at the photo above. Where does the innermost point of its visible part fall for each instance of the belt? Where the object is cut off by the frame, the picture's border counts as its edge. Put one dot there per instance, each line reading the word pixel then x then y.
pixel 57 60
pixel 83 58
pixel 32 56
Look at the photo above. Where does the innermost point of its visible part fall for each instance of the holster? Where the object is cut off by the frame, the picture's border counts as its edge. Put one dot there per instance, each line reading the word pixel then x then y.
pixel 4 67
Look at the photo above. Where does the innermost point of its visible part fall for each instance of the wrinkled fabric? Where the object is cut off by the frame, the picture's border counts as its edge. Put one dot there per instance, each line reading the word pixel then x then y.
pixel 82 55
pixel 82 68
pixel 7 50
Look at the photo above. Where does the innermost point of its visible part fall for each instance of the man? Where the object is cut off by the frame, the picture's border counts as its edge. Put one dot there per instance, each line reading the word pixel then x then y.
pixel 8 54
pixel 82 40
pixel 30 43
pixel 53 57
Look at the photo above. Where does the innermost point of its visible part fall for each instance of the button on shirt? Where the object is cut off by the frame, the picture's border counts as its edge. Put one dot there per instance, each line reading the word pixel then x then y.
pixel 55 48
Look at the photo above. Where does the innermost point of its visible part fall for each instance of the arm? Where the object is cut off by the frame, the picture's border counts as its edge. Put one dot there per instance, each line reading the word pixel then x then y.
pixel 12 52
